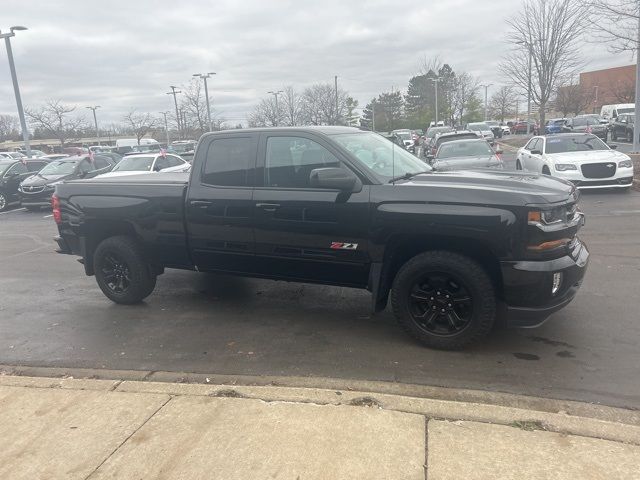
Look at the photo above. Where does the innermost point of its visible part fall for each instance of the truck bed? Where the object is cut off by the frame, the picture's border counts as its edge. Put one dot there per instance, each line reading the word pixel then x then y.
pixel 149 205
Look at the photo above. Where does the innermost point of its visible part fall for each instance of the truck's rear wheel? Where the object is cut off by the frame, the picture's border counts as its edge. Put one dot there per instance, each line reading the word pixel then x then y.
pixel 444 299
pixel 121 271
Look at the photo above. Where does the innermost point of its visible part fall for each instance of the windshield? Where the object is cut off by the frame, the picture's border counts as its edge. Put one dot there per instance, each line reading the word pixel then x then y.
pixel 582 121
pixel 385 159
pixel 134 164
pixel 564 144
pixel 477 127
pixel 59 167
pixel 433 131
pixel 464 149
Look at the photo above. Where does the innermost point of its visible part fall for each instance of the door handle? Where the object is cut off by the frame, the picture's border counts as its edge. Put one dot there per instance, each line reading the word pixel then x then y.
pixel 268 207
pixel 200 203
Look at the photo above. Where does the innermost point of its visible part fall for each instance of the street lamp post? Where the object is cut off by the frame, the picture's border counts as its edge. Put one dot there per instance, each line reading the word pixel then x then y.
pixel 166 126
pixel 95 120
pixel 486 87
pixel 204 77
pixel 275 94
pixel 435 81
pixel 174 92
pixel 16 89
pixel 595 100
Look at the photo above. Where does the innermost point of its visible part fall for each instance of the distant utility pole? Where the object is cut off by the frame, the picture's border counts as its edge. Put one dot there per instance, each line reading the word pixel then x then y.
pixel 166 126
pixel 16 89
pixel 95 120
pixel 204 77
pixel 435 81
pixel 595 100
pixel 275 94
pixel 174 92
pixel 373 116
pixel 335 78
pixel 486 88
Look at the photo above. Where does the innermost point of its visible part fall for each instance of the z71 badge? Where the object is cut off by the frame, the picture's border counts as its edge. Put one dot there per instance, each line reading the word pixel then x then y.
pixel 343 246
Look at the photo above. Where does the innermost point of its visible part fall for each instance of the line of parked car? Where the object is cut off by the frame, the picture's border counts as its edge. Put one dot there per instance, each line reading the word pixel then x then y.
pixel 31 181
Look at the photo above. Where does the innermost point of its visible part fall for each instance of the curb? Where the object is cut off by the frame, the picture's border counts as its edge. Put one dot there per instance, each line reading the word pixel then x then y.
pixel 594 421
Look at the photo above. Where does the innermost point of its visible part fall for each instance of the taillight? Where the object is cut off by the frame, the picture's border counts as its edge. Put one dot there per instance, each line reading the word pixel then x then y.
pixel 55 208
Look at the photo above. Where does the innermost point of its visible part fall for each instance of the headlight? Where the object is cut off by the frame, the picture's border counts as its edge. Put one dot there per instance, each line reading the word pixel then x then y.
pixel 548 217
pixel 563 167
pixel 625 164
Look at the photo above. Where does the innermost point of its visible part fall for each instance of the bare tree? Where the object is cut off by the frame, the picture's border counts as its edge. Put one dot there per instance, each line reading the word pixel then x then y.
pixel 319 105
pixel 140 123
pixel 55 119
pixel 615 22
pixel 430 65
pixel 194 105
pixel 622 89
pixel 502 102
pixel 549 31
pixel 572 99
pixel 9 127
pixel 291 106
pixel 464 90
pixel 265 114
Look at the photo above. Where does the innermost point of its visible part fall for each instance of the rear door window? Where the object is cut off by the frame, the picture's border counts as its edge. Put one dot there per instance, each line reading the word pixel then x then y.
pixel 228 162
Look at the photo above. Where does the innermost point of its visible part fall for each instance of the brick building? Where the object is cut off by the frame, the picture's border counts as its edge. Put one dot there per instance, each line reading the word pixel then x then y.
pixel 609 86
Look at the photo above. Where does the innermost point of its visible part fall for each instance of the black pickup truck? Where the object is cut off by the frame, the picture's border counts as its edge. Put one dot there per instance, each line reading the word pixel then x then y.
pixel 456 251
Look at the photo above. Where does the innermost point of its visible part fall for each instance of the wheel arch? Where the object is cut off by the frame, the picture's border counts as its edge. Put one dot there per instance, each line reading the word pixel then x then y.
pixel 96 232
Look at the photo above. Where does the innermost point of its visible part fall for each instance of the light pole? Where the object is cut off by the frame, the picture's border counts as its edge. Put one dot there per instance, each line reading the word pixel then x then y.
pixel 636 119
pixel 16 89
pixel 435 81
pixel 204 77
pixel 595 100
pixel 275 94
pixel 95 120
pixel 174 92
pixel 166 126
pixel 486 88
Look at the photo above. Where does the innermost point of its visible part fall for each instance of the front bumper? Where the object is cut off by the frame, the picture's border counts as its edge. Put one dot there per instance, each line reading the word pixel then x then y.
pixel 528 298
pixel 39 199
pixel 622 178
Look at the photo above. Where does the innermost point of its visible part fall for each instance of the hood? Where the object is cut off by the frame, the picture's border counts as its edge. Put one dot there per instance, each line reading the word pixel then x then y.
pixel 494 187
pixel 588 156
pixel 124 173
pixel 38 180
pixel 457 163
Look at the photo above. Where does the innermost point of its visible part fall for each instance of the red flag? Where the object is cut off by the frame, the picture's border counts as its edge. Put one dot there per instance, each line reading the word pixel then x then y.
pixel 91 156
pixel 163 152
pixel 588 130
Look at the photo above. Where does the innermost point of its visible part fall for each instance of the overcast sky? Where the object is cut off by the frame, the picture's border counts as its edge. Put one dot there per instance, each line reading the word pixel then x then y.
pixel 123 55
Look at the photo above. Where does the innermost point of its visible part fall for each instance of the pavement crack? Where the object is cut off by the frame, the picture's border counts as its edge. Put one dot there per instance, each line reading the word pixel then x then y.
pixel 426 448
pixel 128 437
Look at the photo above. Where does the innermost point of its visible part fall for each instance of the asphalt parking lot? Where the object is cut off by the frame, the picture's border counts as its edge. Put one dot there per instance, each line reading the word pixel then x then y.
pixel 53 315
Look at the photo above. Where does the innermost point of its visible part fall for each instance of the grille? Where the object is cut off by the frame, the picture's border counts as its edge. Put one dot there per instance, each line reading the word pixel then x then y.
pixel 32 189
pixel 599 170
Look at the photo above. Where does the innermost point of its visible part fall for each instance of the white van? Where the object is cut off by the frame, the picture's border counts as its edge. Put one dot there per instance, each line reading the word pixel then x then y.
pixel 133 142
pixel 611 112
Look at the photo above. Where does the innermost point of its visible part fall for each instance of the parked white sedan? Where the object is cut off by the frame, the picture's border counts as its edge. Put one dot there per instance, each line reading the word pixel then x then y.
pixel 148 163
pixel 583 159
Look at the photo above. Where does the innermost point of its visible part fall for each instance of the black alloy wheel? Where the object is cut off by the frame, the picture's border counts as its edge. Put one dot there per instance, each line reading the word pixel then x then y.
pixel 3 201
pixel 116 273
pixel 440 304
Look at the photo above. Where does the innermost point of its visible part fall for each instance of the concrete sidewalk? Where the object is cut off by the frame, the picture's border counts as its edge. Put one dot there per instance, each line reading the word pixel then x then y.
pixel 54 428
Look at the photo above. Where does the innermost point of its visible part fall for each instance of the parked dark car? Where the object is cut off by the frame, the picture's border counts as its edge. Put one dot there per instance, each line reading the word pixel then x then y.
pixel 434 144
pixel 457 251
pixel 585 125
pixel 622 127
pixel 183 148
pixel 35 191
pixel 12 172
pixel 465 154
pixel 113 157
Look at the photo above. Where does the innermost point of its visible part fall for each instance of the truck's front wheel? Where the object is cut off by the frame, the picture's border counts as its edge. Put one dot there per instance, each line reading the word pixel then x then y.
pixel 121 271
pixel 444 299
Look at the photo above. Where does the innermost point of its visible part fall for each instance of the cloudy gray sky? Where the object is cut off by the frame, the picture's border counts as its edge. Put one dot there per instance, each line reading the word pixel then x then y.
pixel 123 55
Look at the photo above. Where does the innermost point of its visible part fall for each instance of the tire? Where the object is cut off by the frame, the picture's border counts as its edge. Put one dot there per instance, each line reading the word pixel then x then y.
pixel 122 272
pixel 4 201
pixel 467 319
pixel 518 165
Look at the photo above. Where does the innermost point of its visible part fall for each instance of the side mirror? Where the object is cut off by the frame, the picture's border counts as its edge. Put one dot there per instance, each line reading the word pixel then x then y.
pixel 332 178
pixel 536 152
pixel 614 147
